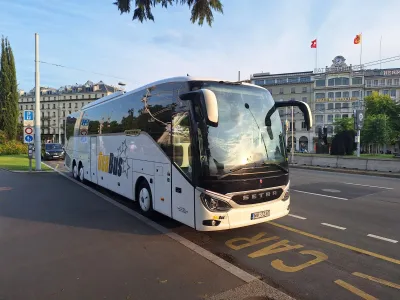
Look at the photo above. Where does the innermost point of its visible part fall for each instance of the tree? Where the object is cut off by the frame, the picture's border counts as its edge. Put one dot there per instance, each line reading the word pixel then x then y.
pixel 200 9
pixel 8 92
pixel 343 124
pixel 389 110
pixel 376 131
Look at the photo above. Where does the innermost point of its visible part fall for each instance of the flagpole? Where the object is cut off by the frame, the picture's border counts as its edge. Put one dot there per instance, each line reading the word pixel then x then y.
pixel 361 47
pixel 316 56
pixel 380 54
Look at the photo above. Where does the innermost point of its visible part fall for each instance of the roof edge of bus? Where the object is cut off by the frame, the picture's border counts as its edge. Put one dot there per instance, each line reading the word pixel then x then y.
pixel 166 80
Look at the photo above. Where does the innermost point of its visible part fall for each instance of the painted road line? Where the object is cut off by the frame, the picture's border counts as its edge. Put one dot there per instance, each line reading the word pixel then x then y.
pixel 334 226
pixel 354 290
pixel 320 195
pixel 378 280
pixel 373 186
pixel 366 252
pixel 382 238
pixel 56 166
pixel 298 217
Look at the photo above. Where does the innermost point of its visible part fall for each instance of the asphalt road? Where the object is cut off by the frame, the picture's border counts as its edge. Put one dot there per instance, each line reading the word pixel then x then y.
pixel 340 241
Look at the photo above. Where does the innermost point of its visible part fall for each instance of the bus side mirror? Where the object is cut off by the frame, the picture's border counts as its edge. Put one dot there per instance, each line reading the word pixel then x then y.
pixel 304 107
pixel 208 103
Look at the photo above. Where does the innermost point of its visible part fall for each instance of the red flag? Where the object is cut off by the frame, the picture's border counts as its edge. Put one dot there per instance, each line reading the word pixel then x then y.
pixel 314 43
pixel 357 39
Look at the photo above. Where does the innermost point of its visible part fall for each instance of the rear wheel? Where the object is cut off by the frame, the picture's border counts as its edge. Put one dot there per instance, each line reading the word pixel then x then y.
pixel 145 198
pixel 75 171
pixel 81 173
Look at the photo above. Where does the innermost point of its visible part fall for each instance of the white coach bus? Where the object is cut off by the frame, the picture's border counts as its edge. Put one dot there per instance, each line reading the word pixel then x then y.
pixel 208 153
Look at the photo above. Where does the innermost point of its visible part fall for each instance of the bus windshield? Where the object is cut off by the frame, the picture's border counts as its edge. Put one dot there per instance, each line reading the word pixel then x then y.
pixel 241 138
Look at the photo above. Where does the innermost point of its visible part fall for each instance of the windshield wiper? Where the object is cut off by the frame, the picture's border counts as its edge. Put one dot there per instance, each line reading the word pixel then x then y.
pixel 276 165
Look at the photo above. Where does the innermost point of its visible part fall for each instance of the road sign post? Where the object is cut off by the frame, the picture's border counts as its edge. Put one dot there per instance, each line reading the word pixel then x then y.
pixel 30 155
pixel 358 124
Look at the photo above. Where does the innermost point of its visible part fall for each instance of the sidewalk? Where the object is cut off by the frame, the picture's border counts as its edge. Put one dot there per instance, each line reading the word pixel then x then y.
pixel 60 241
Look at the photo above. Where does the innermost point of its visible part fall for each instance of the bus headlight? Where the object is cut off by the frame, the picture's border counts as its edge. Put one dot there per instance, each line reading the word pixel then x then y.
pixel 286 193
pixel 214 204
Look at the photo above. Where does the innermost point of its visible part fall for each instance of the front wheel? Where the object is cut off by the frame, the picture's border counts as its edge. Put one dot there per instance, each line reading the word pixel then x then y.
pixel 75 171
pixel 145 199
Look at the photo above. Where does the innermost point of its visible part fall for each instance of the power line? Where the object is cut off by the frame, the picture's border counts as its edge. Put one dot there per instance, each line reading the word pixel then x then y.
pixel 82 70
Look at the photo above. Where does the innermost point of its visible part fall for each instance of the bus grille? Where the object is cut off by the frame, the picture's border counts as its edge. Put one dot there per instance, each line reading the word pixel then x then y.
pixel 257 197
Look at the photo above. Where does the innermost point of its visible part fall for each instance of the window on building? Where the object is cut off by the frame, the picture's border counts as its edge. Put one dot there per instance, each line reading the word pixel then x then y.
pixel 346 94
pixel 346 105
pixel 320 107
pixel 386 92
pixel 54 106
pixel 42 106
pixel 319 95
pixel 357 80
pixel 337 117
pixel 355 93
pixel 69 105
pixel 293 79
pixel 338 94
pixel 319 119
pixel 382 82
pixel 20 107
pixel 305 79
pixel 393 93
pixel 76 97
pixel 32 106
pixel 330 94
pixel 396 82
pixel 342 81
pixel 338 105
pixel 280 90
pixel 293 90
pixel 330 106
pixel 303 125
pixel 65 97
pixel 48 105
pixel 376 82
pixel 282 80
pixel 369 82
pixel 70 97
pixel 304 89
pixel 345 116
pixel 54 98
pixel 269 81
pixel 82 104
pixel 63 105
pixel 330 129
pixel 369 93
pixel 95 96
pixel 63 113
pixel 389 82
pixel 304 99
pixel 76 105
pixel 83 96
pixel 354 104
pixel 54 114
pixel 330 118
pixel 320 82
pixel 331 82
pixel 258 82
pixel 102 95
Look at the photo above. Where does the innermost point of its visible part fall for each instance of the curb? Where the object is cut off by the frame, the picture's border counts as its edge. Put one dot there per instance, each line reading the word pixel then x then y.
pixel 250 280
pixel 349 171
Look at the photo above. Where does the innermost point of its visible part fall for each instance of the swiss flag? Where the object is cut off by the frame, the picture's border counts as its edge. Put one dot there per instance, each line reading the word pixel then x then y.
pixel 314 43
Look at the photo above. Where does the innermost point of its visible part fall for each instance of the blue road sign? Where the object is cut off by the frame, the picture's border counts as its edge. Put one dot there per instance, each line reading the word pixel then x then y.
pixel 28 115
pixel 28 138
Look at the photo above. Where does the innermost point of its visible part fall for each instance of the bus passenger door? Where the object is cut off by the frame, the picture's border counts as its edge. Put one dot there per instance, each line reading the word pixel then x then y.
pixel 93 159
pixel 182 189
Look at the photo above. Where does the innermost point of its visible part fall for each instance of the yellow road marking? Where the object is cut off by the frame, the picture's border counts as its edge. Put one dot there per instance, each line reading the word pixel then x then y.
pixel 355 290
pixel 319 256
pixel 381 281
pixel 56 166
pixel 376 255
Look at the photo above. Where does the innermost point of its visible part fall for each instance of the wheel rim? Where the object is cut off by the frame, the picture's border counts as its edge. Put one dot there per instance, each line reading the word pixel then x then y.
pixel 75 172
pixel 81 173
pixel 144 199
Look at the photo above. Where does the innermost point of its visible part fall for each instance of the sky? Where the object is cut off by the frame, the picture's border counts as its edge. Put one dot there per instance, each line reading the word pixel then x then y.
pixel 95 42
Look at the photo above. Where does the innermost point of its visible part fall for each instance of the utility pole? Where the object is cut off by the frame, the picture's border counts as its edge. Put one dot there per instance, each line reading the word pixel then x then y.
pixel 292 138
pixel 38 143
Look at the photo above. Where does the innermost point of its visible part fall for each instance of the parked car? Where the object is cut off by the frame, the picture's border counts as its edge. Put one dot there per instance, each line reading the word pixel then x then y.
pixel 53 151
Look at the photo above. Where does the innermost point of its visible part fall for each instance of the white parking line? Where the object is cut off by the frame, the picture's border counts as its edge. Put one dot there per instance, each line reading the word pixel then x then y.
pixel 334 226
pixel 373 186
pixel 320 195
pixel 298 217
pixel 382 238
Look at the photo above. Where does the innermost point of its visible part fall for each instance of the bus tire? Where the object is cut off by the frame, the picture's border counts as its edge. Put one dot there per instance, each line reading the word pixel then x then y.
pixel 145 198
pixel 81 173
pixel 74 170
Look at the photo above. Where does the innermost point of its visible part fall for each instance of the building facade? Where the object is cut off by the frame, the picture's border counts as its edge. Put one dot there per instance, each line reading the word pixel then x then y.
pixel 56 104
pixel 332 92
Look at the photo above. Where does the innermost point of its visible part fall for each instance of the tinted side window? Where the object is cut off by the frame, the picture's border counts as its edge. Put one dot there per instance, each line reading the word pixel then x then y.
pixel 70 124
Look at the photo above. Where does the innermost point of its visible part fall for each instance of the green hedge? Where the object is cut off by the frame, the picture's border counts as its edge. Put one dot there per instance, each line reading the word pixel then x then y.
pixel 11 147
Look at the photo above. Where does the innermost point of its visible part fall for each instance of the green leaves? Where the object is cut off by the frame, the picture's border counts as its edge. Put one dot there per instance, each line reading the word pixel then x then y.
pixel 200 9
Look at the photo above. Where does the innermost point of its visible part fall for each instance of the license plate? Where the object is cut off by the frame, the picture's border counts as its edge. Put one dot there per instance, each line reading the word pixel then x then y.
pixel 260 214
pixel 55 155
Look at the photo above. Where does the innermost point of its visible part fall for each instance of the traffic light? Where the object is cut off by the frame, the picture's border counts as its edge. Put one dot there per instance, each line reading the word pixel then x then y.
pixel 325 136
